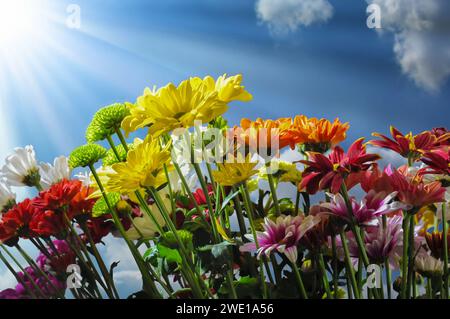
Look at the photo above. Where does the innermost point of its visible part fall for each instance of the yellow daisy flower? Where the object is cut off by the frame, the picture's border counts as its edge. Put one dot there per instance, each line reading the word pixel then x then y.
pixel 228 88
pixel 235 171
pixel 286 172
pixel 173 106
pixel 143 168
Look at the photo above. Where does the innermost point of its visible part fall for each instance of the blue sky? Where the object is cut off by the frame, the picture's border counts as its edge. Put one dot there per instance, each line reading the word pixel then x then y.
pixel 334 68
pixel 331 65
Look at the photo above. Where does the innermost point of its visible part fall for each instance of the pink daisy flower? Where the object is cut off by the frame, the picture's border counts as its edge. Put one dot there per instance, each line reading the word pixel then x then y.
pixel 282 236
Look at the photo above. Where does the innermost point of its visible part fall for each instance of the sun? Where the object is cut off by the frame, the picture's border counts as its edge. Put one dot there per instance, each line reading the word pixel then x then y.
pixel 19 19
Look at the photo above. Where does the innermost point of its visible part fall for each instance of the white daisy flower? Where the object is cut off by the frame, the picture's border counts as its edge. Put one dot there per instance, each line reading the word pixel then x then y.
pixel 7 196
pixel 52 174
pixel 21 168
pixel 85 178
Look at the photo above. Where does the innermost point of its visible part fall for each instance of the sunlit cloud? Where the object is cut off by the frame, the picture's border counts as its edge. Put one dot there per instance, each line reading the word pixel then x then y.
pixel 421 38
pixel 284 16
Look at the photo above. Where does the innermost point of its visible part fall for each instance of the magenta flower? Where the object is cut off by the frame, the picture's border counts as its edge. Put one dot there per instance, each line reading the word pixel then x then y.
pixel 383 243
pixel 282 235
pixel 372 206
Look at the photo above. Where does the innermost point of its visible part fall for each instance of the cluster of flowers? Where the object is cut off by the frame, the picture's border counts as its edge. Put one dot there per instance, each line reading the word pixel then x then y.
pixel 220 230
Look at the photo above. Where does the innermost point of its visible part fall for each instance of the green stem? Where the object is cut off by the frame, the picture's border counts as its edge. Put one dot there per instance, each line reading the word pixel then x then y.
pixel 199 173
pixel 335 266
pixel 349 266
pixel 405 226
pixel 250 215
pixel 191 267
pixel 297 202
pixel 298 277
pixel 18 278
pixel 149 285
pixel 273 190
pixel 324 276
pixel 113 147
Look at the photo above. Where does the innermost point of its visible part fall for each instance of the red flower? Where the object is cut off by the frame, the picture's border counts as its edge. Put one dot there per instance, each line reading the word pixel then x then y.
pixel 442 131
pixel 438 162
pixel 48 223
pixel 199 197
pixel 409 145
pixel 413 191
pixel 372 179
pixel 16 222
pixel 69 196
pixel 329 172
pixel 98 228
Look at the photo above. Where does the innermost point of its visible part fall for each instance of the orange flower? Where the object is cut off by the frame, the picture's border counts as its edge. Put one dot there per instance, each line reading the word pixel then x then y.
pixel 261 133
pixel 317 135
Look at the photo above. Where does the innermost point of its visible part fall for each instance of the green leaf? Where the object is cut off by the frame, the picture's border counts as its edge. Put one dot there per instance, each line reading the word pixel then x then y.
pixel 246 287
pixel 151 256
pixel 171 255
pixel 217 250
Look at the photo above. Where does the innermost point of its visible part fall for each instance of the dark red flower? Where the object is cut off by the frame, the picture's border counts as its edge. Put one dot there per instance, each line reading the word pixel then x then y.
pixel 98 228
pixel 328 172
pixel 48 223
pixel 16 222
pixel 410 145
pixel 438 162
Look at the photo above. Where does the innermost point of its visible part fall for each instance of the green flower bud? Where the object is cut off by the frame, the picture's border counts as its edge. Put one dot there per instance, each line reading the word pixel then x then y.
pixel 168 239
pixel 101 208
pixel 106 121
pixel 86 155
pixel 111 157
pixel 219 122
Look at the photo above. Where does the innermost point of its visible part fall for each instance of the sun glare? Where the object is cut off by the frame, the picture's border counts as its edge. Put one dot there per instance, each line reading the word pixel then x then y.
pixel 18 20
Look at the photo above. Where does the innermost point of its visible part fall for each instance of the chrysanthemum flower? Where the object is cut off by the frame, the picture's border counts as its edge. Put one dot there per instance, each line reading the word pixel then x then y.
pixel 106 121
pixel 382 243
pixel 438 162
pixel 235 170
pixel 329 172
pixel 7 197
pixel 86 155
pixel 282 236
pixel 366 213
pixel 372 179
pixel 69 196
pixel 173 106
pixel 52 289
pixel 435 242
pixel 52 174
pixel 285 172
pixel 317 135
pixel 228 88
pixel 111 157
pixel 260 134
pixel 59 259
pixel 414 191
pixel 428 266
pixel 16 222
pixel 409 145
pixel 21 168
pixel 144 168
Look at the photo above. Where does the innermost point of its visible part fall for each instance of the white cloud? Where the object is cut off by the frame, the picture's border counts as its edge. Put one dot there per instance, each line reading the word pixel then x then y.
pixel 284 16
pixel 387 157
pixel 421 38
